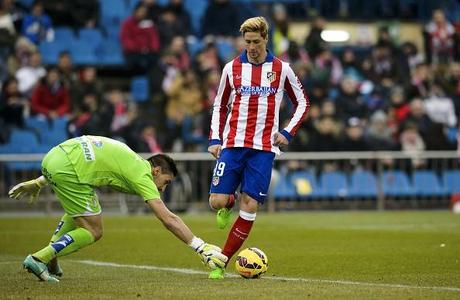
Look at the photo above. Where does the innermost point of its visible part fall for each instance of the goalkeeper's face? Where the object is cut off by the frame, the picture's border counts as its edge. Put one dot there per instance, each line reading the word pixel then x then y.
pixel 256 46
pixel 161 179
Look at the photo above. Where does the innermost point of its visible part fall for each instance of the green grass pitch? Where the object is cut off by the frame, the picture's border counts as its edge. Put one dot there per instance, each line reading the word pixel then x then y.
pixel 319 255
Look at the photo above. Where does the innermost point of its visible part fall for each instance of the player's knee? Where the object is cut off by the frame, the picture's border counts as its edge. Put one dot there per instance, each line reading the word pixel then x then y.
pixel 217 201
pixel 97 233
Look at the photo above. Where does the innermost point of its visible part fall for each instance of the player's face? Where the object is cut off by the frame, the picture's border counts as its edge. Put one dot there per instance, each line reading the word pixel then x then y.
pixel 256 46
pixel 161 179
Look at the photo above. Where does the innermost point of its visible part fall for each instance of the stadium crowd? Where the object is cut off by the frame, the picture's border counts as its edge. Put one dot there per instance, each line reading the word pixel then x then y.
pixel 392 96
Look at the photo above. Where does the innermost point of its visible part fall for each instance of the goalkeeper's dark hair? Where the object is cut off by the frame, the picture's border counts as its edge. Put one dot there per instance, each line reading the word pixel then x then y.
pixel 167 164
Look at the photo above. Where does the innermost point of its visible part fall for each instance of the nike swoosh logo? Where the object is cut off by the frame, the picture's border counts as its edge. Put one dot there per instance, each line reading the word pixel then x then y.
pixel 261 194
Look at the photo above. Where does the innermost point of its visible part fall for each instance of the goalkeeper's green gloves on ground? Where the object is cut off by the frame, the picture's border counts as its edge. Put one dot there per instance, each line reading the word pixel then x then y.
pixel 210 255
pixel 29 188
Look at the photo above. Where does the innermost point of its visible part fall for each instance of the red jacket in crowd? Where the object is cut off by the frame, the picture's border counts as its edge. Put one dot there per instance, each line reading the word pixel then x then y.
pixel 45 100
pixel 139 36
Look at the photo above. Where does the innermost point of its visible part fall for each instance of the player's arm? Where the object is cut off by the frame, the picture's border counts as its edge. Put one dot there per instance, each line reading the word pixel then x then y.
pixel 301 103
pixel 219 113
pixel 29 188
pixel 210 255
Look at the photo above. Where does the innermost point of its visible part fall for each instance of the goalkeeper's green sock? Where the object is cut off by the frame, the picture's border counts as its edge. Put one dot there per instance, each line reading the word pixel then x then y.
pixel 68 243
pixel 65 225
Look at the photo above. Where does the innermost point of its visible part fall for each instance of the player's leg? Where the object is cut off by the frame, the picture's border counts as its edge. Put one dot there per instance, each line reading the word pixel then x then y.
pixel 79 201
pixel 226 178
pixel 255 183
pixel 65 225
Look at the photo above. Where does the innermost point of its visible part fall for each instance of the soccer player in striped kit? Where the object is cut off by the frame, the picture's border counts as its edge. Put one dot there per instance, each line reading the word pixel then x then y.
pixel 245 133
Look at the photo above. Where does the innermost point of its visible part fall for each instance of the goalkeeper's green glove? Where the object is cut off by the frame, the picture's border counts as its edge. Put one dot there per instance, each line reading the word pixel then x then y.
pixel 29 188
pixel 210 255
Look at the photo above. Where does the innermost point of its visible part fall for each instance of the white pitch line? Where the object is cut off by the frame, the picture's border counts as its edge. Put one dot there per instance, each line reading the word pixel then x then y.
pixel 196 272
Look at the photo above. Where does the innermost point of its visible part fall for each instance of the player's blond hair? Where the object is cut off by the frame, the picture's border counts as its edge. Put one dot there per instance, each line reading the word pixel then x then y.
pixel 256 24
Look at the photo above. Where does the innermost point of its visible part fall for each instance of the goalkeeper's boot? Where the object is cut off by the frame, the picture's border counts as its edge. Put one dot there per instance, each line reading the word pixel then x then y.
pixel 217 273
pixel 39 269
pixel 224 214
pixel 55 270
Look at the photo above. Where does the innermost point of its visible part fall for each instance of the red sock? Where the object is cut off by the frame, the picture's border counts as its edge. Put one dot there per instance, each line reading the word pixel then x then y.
pixel 231 201
pixel 237 236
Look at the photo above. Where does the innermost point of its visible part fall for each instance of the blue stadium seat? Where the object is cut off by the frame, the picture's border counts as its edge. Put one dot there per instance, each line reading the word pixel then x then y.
pixel 333 184
pixel 113 10
pixel 305 184
pixel 140 88
pixel 50 51
pixel 84 53
pixel 396 184
pixel 64 34
pixel 226 50
pixel 110 53
pixel 426 183
pixel 284 189
pixel 451 180
pixel 363 184
pixel 23 141
pixel 196 8
pixel 56 134
pixel 194 46
pixel 89 35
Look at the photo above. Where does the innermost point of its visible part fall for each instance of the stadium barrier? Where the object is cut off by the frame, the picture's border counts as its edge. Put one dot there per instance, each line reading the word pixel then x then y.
pixel 300 180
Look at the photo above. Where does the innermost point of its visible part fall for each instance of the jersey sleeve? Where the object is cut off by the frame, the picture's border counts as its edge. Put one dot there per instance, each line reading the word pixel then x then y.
pixel 299 99
pixel 220 107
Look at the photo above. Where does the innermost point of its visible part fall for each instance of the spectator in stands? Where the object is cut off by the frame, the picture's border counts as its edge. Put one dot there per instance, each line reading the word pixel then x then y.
pixel 207 59
pixel 28 76
pixel 140 40
pixel 85 13
pixel 177 6
pixel 148 141
pixel 221 19
pixel 350 64
pixel 354 136
pixel 170 26
pixel 295 55
pixel 314 43
pixel 210 87
pixel 124 113
pixel 153 9
pixel 349 102
pixel 22 55
pixel 7 34
pixel 326 69
pixel 440 40
pixel 384 39
pixel 185 97
pixel 440 108
pixel 420 83
pixel 412 143
pixel 280 35
pixel 88 83
pixel 399 105
pixel 409 59
pixel 325 136
pixel 384 70
pixel 92 117
pixel 51 97
pixel 13 105
pixel 451 85
pixel 178 48
pixel 66 69
pixel 379 136
pixel 417 115
pixel 37 26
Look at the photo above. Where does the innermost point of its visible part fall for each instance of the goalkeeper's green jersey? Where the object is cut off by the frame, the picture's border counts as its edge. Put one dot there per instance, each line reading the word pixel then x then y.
pixel 100 161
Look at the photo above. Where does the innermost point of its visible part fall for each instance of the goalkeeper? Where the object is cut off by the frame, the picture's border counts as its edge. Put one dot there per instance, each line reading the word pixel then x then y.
pixel 73 169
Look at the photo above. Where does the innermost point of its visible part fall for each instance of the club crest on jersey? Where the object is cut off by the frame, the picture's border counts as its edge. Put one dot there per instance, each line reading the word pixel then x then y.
pixel 271 76
pixel 215 180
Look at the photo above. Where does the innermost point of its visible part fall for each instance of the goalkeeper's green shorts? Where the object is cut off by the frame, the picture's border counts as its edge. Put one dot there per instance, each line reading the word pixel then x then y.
pixel 77 199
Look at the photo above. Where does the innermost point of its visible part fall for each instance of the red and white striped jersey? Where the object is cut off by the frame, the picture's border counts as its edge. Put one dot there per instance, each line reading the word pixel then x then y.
pixel 247 104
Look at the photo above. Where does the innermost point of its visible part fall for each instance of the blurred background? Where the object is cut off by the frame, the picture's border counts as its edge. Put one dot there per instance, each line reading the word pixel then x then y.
pixel 383 78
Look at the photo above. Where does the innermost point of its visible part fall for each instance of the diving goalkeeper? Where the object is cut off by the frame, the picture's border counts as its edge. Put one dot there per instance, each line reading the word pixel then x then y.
pixel 73 169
